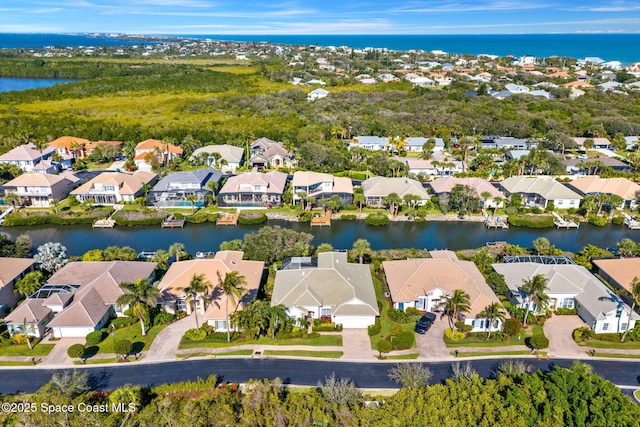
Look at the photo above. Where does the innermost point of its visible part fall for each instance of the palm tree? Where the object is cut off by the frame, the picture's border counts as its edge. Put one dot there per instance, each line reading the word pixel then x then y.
pixel 197 289
pixel 232 286
pixel 27 328
pixel 359 199
pixel 192 198
pixel 457 304
pixel 277 315
pixel 302 196
pixel 496 201
pixel 534 288
pixel 176 249
pixel 54 203
pixel 393 200
pixel 140 296
pixel 492 313
pixel 12 198
pixel 634 293
pixel 361 247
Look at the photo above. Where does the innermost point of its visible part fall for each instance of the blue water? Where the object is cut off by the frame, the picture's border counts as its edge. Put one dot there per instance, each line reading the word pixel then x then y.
pixel 620 47
pixel 8 84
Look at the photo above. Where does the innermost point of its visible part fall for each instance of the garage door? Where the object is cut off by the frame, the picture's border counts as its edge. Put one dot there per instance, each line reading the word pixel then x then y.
pixel 353 322
pixel 69 332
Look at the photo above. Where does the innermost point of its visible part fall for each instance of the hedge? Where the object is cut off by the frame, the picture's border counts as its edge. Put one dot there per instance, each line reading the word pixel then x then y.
pixel 377 220
pixel 532 221
pixel 597 220
pixel 194 334
pixel 453 335
pixel 95 337
pixel 404 340
pixel 122 322
pixel 538 342
pixel 250 218
pixel 76 350
pixel 562 311
pixel 348 217
pixel 374 329
pixel 617 220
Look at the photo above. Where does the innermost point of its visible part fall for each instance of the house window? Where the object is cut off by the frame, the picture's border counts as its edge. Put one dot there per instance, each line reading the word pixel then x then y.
pixel 623 327
pixel 109 188
pixel 567 303
pixel 181 304
pixel 422 303
pixel 325 312
pixel 220 324
pixel 401 306
pixel 605 326
pixel 481 324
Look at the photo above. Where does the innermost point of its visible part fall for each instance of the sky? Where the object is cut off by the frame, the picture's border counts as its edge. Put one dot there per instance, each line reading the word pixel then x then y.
pixel 319 17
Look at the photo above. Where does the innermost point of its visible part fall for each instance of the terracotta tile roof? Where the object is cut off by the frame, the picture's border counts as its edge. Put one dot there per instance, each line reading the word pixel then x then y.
pixel 30 309
pixel 36 180
pixel 67 141
pixel 10 268
pixel 25 152
pixel 594 184
pixel 151 144
pixel 621 270
pixel 86 310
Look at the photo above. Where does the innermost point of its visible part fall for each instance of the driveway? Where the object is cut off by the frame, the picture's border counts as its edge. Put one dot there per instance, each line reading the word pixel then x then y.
pixel 559 330
pixel 431 345
pixel 58 355
pixel 165 345
pixel 356 345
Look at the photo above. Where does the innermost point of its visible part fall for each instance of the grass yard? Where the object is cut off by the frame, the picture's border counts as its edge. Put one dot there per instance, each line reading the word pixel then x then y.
pixel 410 356
pixel 131 333
pixel 23 350
pixel 482 342
pixel 615 355
pixel 629 345
pixel 209 354
pixel 495 353
pixel 322 340
pixel 14 363
pixel 305 353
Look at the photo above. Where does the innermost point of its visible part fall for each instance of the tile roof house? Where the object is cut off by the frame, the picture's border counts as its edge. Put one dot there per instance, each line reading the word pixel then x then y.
pixel 231 154
pixel 266 153
pixel 11 271
pixel 622 187
pixel 586 166
pixel 425 284
pixel 111 188
pixel 163 151
pixel 28 158
pixel 375 143
pixel 445 185
pixel 597 142
pixel 432 167
pixel 36 315
pixel 540 191
pixel 253 189
pixel 507 142
pixel 619 272
pixel 173 189
pixel 570 286
pixel 70 147
pixel 376 189
pixel 39 189
pixel 322 185
pixel 334 288
pixel 180 274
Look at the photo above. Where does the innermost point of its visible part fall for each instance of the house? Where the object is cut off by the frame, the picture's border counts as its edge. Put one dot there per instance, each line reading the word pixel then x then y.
pixel 173 189
pixel 233 156
pixel 570 286
pixel 507 142
pixel 540 191
pixel 39 189
pixel 426 283
pixel 622 187
pixel 632 141
pixel 181 273
pixel 70 147
pixel 372 143
pixel 317 94
pixel 334 289
pixel 421 81
pixel 253 190
pixel 266 153
pixel 586 166
pixel 433 167
pixel 28 158
pixel 414 144
pixel 376 189
pixel 321 186
pixel 34 314
pixel 163 152
pixel 91 146
pixel 513 88
pixel 442 186
pixel 597 142
pixel 11 271
pixel 619 272
pixel 112 188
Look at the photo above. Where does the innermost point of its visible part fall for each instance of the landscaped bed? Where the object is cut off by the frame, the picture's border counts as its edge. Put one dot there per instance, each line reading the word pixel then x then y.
pixel 305 353
pixel 322 340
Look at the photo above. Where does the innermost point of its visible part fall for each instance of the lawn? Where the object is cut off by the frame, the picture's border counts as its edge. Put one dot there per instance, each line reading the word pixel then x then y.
pixel 494 353
pixel 23 350
pixel 226 353
pixel 410 356
pixel 482 342
pixel 131 333
pixel 615 355
pixel 322 340
pixel 629 345
pixel 14 363
pixel 305 353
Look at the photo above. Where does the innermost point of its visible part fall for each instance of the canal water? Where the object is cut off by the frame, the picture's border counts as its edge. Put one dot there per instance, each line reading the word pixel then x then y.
pixel 8 84
pixel 341 234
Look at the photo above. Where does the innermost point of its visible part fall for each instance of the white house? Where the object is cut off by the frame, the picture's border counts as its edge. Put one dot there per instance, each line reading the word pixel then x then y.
pixel 317 94
pixel 27 157
pixel 540 191
pixel 233 156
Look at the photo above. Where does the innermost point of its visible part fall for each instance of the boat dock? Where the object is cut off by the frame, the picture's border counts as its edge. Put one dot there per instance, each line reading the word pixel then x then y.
pixel 146 255
pixel 106 222
pixel 631 222
pixel 5 213
pixel 320 221
pixel 494 222
pixel 227 219
pixel 562 223
pixel 171 222
pixel 500 244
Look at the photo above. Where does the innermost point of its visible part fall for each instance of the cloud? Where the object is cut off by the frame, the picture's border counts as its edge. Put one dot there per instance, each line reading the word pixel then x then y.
pixel 472 7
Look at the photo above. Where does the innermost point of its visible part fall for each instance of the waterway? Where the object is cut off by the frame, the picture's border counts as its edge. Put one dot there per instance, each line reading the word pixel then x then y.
pixel 8 84
pixel 341 234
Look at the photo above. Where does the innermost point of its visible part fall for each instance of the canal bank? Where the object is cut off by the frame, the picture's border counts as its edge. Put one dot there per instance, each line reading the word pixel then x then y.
pixel 427 235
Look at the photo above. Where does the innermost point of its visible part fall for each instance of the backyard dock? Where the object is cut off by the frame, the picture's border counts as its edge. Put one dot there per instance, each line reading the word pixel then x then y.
pixel 5 213
pixel 228 219
pixel 494 221
pixel 171 222
pixel 562 223
pixel 321 221
pixel 104 223
pixel 631 222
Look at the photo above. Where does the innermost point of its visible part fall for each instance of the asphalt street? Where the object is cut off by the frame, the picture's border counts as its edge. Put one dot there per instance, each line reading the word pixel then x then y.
pixel 298 372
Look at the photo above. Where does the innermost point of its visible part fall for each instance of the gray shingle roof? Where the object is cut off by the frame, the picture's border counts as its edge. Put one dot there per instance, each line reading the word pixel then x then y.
pixel 381 186
pixel 546 187
pixel 201 176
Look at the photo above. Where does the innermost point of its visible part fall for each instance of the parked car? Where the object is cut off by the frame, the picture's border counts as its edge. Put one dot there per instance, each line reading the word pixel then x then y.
pixel 424 323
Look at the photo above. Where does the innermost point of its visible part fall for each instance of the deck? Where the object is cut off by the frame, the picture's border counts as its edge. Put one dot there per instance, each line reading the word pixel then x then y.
pixel 5 213
pixel 494 221
pixel 631 222
pixel 562 223
pixel 228 219
pixel 321 221
pixel 104 223
pixel 171 222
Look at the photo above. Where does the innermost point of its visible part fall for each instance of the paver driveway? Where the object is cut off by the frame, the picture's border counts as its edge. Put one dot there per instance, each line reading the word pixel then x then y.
pixel 559 330
pixel 431 345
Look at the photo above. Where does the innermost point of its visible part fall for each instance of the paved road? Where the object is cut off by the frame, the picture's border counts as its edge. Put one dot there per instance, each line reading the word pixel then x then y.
pixel 300 372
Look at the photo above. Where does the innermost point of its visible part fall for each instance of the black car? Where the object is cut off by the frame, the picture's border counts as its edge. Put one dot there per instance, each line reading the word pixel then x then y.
pixel 424 323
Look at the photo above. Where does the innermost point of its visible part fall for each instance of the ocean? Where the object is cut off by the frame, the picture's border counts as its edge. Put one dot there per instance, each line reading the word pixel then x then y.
pixel 621 47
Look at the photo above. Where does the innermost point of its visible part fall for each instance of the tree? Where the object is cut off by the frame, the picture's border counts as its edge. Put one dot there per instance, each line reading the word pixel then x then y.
pixel 588 143
pixel 198 289
pixel 492 313
pixel 634 294
pixel 324 247
pixel 162 259
pixel 70 383
pixel 232 286
pixel 176 250
pixel 340 392
pixel 272 244
pixel 277 316
pixel 427 148
pixel 410 375
pixel 54 203
pixel 123 348
pixel 393 201
pixel 361 247
pixel 23 246
pixel 463 199
pixel 12 198
pixel 384 346
pixel 76 351
pixel 302 196
pixel 534 289
pixel 93 255
pixel 192 198
pixel 335 203
pixel 541 245
pixel 455 305
pixel 140 296
pixel 30 283
pixel 359 200
pixel 27 329
pixel 232 245
pixel 462 371
pixel 627 247
pixel 51 256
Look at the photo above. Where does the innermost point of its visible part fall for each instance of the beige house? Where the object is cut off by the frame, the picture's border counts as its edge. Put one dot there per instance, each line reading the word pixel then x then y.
pixel 112 188
pixel 253 190
pixel 11 270
pixel 376 189
pixel 163 151
pixel 321 186
pixel 622 187
pixel 426 283
pixel 28 158
pixel 333 289
pixel 619 272
pixel 445 185
pixel 181 273
pixel 37 190
pixel 266 153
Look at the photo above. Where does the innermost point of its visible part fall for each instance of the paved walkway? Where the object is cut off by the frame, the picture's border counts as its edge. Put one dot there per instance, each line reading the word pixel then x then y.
pixel 559 330
pixel 58 355
pixel 165 345
pixel 431 345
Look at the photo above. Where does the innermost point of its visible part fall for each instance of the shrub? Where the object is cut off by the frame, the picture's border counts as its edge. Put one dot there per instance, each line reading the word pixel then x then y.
pixel 163 317
pixel 563 311
pixel 610 337
pixel 326 327
pixel 597 220
pixel 377 220
pixel 122 322
pixel 411 311
pixel 374 329
pixel 453 335
pixel 398 315
pixel 617 220
pixel 512 326
pixel 123 347
pixel 463 327
pixel 95 337
pixel 403 340
pixel 194 334
pixel 384 346
pixel 511 210
pixel 311 335
pixel 531 221
pixel 75 351
pixel 349 208
pixel 188 386
pixel 348 217
pixel 583 334
pixel 396 329
pixel 249 218
pixel 539 342
pixel 128 312
pixel 19 339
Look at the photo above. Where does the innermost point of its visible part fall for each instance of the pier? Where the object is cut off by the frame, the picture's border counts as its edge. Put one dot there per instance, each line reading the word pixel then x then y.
pixel 107 222
pixel 228 219
pixel 321 221
pixel 5 213
pixel 562 223
pixel 171 222
pixel 494 222
pixel 631 222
